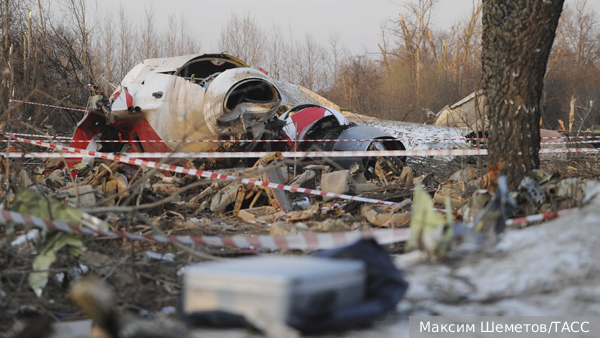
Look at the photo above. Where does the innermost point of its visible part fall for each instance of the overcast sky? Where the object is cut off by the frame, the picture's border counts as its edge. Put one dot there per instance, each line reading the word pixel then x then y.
pixel 357 21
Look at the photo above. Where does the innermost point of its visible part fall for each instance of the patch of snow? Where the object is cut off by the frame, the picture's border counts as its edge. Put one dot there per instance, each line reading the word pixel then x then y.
pixel 548 269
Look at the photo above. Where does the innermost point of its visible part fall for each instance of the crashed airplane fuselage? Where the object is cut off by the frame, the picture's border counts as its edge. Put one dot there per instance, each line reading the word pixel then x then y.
pixel 212 97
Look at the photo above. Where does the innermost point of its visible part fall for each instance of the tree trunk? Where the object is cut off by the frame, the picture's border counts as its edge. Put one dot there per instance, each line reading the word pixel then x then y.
pixel 517 38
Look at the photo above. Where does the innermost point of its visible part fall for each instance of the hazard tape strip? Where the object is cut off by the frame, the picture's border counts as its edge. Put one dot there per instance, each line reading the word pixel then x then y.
pixel 241 141
pixel 48 105
pixel 80 153
pixel 540 217
pixel 565 140
pixel 275 141
pixel 202 173
pixel 569 150
pixel 326 240
pixel 570 141
pixel 287 154
pixel 40 136
pixel 345 140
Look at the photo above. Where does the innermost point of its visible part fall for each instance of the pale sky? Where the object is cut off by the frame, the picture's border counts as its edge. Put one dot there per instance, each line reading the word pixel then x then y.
pixel 357 21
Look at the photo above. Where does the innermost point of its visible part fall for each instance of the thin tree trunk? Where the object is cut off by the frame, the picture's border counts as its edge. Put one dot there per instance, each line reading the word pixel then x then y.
pixel 516 42
pixel 572 113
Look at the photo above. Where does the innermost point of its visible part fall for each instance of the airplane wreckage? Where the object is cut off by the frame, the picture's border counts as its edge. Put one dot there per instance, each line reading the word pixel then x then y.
pixel 217 97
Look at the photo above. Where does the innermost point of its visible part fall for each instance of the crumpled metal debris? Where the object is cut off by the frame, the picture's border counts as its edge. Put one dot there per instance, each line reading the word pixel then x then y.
pixel 566 193
pixel 266 214
pixel 464 175
pixel 387 216
pixel 455 191
pixel 440 236
pixel 532 190
pixel 474 205
pixel 346 182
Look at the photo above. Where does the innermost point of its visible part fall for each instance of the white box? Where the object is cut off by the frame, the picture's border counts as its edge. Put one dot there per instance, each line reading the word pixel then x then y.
pixel 274 286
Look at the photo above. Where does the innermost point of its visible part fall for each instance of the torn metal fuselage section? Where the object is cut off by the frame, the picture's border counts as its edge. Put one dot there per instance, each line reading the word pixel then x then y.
pixel 308 122
pixel 212 97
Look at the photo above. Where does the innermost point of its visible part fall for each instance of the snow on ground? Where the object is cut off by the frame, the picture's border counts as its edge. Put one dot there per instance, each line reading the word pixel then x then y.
pixel 547 269
pixel 407 130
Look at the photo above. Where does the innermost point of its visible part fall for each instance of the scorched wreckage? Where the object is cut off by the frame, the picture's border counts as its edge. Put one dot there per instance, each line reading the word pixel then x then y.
pixel 216 97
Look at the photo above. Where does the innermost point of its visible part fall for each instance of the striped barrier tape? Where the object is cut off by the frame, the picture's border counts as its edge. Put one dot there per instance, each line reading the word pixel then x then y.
pixel 565 139
pixel 569 150
pixel 570 141
pixel 80 153
pixel 264 141
pixel 48 105
pixel 278 141
pixel 540 217
pixel 326 240
pixel 39 136
pixel 288 154
pixel 569 137
pixel 203 173
pixel 235 141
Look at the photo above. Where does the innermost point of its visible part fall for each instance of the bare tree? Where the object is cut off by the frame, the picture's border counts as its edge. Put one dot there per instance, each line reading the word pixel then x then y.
pixel 413 33
pixel 291 71
pixel 178 40
pixel 148 46
pixel 171 37
pixel 189 43
pixel 76 16
pixel 579 33
pixel 337 53
pixel 311 56
pixel 276 50
pixel 107 60
pixel 244 38
pixel 125 44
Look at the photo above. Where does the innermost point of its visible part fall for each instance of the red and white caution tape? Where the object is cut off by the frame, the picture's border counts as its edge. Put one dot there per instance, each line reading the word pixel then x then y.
pixel 570 141
pixel 465 145
pixel 268 141
pixel 48 105
pixel 43 155
pixel 202 173
pixel 40 136
pixel 316 140
pixel 569 150
pixel 302 242
pixel 80 153
pixel 287 154
pixel 540 217
pixel 306 241
pixel 565 139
